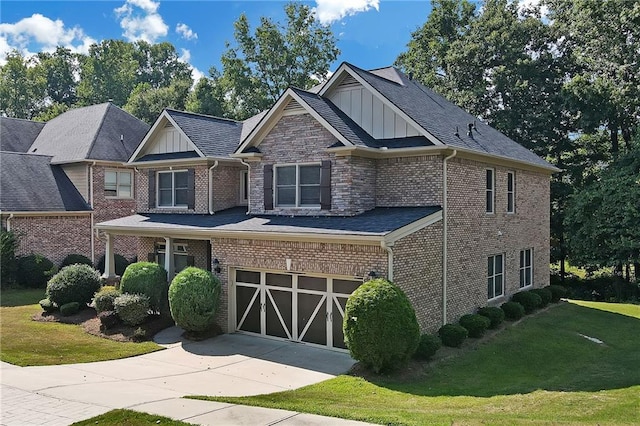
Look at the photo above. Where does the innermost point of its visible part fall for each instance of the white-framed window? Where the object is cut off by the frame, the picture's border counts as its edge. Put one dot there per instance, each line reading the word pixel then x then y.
pixel 511 192
pixel 118 184
pixel 180 257
pixel 490 190
pixel 526 268
pixel 297 185
pixel 244 186
pixel 173 188
pixel 495 276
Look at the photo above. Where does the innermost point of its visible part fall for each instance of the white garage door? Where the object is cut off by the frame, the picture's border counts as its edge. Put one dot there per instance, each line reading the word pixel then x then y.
pixel 295 307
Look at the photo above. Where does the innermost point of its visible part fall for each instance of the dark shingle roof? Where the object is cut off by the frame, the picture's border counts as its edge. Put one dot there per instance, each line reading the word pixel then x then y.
pixel 214 136
pixel 17 135
pixel 377 222
pixel 29 182
pixel 90 133
pixel 169 156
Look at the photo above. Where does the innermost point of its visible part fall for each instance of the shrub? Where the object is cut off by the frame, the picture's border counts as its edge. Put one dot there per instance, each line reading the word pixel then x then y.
pixel 74 283
pixel 132 309
pixel 9 268
pixel 103 300
pixel 69 309
pixel 428 346
pixel 512 310
pixel 475 324
pixel 194 297
pixel 48 306
pixel 557 292
pixel 121 264
pixel 452 335
pixel 139 334
pixel 35 270
pixel 495 315
pixel 529 300
pixel 149 279
pixel 72 259
pixel 108 319
pixel 545 296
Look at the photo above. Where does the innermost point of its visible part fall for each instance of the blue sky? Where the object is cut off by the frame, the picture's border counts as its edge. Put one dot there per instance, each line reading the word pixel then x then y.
pixel 370 33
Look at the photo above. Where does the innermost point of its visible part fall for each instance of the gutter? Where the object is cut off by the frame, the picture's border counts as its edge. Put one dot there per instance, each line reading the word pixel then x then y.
pixel 93 243
pixel 445 260
pixel 215 164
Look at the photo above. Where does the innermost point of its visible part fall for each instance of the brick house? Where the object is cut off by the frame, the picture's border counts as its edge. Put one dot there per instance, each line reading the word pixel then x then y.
pixel 62 177
pixel 370 174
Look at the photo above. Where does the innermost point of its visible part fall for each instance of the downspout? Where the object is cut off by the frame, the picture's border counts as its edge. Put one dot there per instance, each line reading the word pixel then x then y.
pixel 9 222
pixel 248 184
pixel 389 248
pixel 215 164
pixel 445 260
pixel 93 244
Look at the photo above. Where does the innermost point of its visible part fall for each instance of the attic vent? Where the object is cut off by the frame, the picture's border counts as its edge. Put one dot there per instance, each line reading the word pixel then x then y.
pixel 292 106
pixel 348 81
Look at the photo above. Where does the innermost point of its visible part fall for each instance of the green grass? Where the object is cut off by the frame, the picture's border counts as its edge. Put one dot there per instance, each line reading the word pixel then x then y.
pixel 538 371
pixel 25 342
pixel 21 297
pixel 129 418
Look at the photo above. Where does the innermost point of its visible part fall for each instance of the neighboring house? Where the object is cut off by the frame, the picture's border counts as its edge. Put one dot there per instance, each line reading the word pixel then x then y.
pixel 373 175
pixel 62 177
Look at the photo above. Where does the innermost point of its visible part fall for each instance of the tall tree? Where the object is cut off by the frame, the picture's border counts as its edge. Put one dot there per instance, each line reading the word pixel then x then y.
pixel 207 96
pixel 21 87
pixel 147 102
pixel 60 70
pixel 159 64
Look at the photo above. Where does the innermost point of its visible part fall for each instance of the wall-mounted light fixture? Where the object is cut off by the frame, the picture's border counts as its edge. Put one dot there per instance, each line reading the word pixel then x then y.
pixel 216 266
pixel 372 274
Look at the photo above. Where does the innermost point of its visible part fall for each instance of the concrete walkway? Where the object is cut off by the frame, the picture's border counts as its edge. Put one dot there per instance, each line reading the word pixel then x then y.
pixel 229 365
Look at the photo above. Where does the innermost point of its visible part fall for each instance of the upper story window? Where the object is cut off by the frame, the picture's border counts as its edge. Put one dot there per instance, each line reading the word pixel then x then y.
pixel 511 192
pixel 526 268
pixel 297 185
pixel 490 190
pixel 173 189
pixel 495 276
pixel 118 184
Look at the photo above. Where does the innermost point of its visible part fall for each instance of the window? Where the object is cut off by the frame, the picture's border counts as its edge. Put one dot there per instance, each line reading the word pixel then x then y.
pixel 511 192
pixel 526 268
pixel 490 178
pixel 173 189
pixel 244 186
pixel 495 276
pixel 180 258
pixel 297 186
pixel 117 184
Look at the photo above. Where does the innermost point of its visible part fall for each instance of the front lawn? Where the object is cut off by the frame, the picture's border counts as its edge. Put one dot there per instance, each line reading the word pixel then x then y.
pixel 130 418
pixel 541 370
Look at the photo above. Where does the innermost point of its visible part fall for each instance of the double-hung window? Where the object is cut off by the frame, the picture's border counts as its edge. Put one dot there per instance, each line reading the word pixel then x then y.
pixel 490 190
pixel 173 189
pixel 511 192
pixel 526 268
pixel 118 184
pixel 180 258
pixel 495 276
pixel 297 185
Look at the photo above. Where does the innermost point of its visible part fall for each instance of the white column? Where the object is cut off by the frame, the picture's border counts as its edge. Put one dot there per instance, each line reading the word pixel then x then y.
pixel 109 260
pixel 168 258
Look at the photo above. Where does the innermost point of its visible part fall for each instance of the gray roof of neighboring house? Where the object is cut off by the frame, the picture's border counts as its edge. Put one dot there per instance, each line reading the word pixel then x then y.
pixel 214 136
pixel 377 222
pixel 90 133
pixel 17 135
pixel 29 182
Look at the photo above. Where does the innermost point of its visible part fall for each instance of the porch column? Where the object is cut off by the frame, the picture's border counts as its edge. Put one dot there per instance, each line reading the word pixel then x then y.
pixel 109 260
pixel 168 258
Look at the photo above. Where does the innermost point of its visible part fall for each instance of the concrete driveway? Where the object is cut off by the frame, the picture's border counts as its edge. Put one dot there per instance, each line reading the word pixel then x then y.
pixel 230 365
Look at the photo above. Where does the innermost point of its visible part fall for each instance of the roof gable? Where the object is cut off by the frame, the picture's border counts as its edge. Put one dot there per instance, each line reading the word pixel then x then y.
pixel 17 135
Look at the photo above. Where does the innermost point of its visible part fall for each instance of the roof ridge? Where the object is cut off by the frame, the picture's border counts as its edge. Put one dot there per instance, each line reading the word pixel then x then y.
pixel 24 119
pixel 203 115
pixel 95 136
pixel 26 153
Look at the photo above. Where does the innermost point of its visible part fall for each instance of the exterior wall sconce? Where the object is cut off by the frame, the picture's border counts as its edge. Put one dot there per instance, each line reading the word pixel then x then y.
pixel 372 275
pixel 216 266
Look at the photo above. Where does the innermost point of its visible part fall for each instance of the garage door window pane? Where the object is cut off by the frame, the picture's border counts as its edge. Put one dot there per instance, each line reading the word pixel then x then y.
pixel 279 280
pixel 312 283
pixel 249 277
pixel 345 287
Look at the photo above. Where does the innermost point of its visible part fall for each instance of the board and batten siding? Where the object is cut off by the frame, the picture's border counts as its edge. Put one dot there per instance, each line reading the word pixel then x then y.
pixel 169 140
pixel 78 174
pixel 369 112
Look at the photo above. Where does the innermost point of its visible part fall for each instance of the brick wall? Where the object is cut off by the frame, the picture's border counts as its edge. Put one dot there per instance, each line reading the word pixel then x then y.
pixel 201 191
pixel 409 181
pixel 226 186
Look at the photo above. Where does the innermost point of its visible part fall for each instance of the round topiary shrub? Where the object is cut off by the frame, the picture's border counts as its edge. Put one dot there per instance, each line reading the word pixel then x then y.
pixel 428 346
pixel 557 292
pixel 475 324
pixel 35 270
pixel 108 319
pixel 48 306
pixel 72 259
pixel 512 310
pixel 132 309
pixel 194 297
pixel 545 296
pixel 529 300
pixel 103 300
pixel 149 279
pixel 74 283
pixel 69 309
pixel 495 315
pixel 121 264
pixel 380 326
pixel 452 335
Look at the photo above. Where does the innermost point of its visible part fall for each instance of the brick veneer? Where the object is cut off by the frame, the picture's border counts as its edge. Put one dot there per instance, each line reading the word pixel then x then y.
pixel 409 181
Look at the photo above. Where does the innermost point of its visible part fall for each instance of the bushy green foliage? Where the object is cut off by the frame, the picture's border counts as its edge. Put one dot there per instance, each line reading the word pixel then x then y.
pixel 512 310
pixel 108 319
pixel 475 324
pixel 428 346
pixel 8 260
pixel 194 297
pixel 35 270
pixel 69 309
pixel 380 326
pixel 121 264
pixel 149 279
pixel 74 283
pixel 452 335
pixel 495 315
pixel 545 296
pixel 132 309
pixel 48 306
pixel 557 292
pixel 73 258
pixel 103 300
pixel 529 300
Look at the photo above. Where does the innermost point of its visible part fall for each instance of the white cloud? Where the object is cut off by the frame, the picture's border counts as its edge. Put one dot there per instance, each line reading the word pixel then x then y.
pixel 186 32
pixel 140 20
pixel 328 11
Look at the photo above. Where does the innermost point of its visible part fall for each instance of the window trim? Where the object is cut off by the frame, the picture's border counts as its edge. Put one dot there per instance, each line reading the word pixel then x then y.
pixel 117 172
pixel 511 193
pixel 244 188
pixel 524 268
pixel 493 277
pixel 491 190
pixel 297 205
pixel 173 189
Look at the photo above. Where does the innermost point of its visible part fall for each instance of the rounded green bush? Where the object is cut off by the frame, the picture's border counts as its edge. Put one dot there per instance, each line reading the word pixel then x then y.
pixel 74 283
pixel 529 301
pixel 452 335
pixel 132 309
pixel 475 324
pixel 380 326
pixel 121 264
pixel 35 270
pixel 557 292
pixel 48 306
pixel 428 346
pixel 512 310
pixel 149 279
pixel 194 297
pixel 545 296
pixel 103 300
pixel 69 309
pixel 495 315
pixel 73 258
